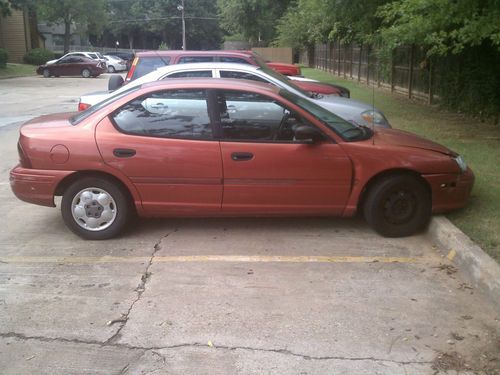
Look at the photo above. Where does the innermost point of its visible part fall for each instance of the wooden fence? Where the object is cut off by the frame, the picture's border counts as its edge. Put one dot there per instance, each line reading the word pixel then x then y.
pixel 406 70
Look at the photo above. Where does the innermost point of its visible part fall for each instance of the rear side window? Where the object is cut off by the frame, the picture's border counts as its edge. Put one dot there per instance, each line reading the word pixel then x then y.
pixel 241 75
pixel 146 65
pixel 167 114
pixel 192 74
pixel 237 60
pixel 195 59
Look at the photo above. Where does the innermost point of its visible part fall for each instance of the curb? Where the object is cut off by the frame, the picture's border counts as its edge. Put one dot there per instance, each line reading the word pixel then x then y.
pixel 481 270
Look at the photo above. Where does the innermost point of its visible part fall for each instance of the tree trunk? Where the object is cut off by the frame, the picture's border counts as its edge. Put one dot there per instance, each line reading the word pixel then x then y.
pixel 67 35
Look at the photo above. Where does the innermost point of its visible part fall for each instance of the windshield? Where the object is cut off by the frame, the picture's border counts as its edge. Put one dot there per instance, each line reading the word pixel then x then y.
pixel 76 119
pixel 343 128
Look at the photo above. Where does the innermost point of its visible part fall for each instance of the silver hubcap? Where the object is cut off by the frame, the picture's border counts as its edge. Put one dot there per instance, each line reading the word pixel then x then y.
pixel 94 209
pixel 86 73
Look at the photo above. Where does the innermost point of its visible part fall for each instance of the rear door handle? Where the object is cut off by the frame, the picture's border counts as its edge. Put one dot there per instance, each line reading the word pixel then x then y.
pixel 241 156
pixel 123 152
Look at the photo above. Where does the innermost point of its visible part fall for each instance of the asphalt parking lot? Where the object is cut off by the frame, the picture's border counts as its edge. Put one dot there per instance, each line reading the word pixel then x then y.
pixel 223 296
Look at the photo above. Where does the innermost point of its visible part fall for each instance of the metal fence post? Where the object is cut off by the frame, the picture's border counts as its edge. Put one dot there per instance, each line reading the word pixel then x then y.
pixel 360 59
pixel 410 72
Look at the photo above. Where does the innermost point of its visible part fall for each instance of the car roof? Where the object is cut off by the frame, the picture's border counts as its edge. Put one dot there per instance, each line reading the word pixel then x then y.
pixel 215 83
pixel 206 66
pixel 199 53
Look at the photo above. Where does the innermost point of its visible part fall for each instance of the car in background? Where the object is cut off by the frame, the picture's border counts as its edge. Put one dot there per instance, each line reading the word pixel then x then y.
pixel 115 64
pixel 73 66
pixel 224 147
pixel 90 55
pixel 146 62
pixel 127 56
pixel 351 110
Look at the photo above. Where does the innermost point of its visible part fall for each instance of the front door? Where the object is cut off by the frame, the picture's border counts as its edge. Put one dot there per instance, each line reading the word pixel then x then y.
pixel 163 141
pixel 266 171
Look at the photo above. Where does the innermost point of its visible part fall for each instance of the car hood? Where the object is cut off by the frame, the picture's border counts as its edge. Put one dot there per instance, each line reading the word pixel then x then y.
pixel 394 137
pixel 50 62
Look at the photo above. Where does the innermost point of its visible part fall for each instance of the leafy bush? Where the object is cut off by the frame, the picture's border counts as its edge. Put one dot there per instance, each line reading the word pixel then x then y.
pixel 3 58
pixel 38 56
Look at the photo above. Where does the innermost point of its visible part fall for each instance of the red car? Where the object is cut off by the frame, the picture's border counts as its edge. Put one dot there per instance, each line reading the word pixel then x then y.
pixel 206 147
pixel 73 66
pixel 146 62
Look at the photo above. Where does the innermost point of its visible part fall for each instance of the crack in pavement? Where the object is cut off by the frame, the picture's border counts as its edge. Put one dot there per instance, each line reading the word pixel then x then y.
pixel 154 349
pixel 139 289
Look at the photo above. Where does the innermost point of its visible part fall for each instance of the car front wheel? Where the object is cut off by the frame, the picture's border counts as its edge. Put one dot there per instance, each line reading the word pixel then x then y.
pixel 46 73
pixel 85 73
pixel 111 69
pixel 95 208
pixel 398 206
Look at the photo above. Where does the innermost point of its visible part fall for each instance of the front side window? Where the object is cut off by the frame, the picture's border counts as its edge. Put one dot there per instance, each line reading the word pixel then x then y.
pixel 253 117
pixel 93 56
pixel 168 114
pixel 195 59
pixel 241 75
pixel 191 74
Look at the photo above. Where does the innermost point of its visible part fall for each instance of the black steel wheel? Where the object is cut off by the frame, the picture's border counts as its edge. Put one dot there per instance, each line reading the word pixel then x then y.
pixel 398 206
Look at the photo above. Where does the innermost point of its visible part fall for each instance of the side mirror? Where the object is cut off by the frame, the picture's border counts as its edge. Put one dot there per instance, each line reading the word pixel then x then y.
pixel 115 82
pixel 307 134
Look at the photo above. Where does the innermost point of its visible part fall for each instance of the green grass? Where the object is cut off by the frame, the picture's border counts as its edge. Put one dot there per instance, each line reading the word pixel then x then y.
pixel 17 70
pixel 478 142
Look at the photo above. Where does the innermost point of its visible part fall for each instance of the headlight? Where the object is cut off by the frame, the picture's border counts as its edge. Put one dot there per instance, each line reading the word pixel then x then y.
pixel 375 117
pixel 461 163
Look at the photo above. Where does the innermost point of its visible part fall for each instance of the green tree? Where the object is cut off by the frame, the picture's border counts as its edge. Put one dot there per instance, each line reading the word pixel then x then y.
pixel 124 19
pixel 313 21
pixel 89 12
pixel 441 25
pixel 254 19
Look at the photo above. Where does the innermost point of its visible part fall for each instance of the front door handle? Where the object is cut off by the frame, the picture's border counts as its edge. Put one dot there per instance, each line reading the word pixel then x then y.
pixel 123 152
pixel 241 156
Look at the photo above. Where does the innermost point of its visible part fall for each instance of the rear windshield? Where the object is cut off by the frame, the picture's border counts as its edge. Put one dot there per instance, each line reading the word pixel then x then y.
pixel 146 65
pixel 80 116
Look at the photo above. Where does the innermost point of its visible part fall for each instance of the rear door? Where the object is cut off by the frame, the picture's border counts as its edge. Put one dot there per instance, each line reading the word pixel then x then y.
pixel 164 143
pixel 266 170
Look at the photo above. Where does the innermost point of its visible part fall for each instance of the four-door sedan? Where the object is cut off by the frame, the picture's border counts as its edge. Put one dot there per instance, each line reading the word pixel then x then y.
pixel 73 66
pixel 207 147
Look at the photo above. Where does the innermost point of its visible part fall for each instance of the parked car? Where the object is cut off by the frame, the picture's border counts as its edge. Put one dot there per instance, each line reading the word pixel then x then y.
pixel 146 62
pixel 127 56
pixel 115 64
pixel 224 147
pixel 73 66
pixel 351 110
pixel 89 55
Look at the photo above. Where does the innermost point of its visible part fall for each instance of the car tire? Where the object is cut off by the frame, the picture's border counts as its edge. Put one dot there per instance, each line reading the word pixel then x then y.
pixel 46 73
pixel 398 206
pixel 111 69
pixel 86 73
pixel 95 208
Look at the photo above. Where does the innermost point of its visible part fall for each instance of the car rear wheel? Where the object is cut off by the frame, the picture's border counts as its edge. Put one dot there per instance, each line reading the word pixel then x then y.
pixel 95 208
pixel 46 73
pixel 111 69
pixel 85 73
pixel 398 206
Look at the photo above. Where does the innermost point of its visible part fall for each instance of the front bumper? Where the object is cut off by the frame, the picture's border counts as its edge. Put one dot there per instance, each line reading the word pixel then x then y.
pixel 450 191
pixel 35 185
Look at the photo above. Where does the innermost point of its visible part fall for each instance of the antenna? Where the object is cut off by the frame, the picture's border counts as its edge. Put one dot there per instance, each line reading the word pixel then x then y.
pixel 373 113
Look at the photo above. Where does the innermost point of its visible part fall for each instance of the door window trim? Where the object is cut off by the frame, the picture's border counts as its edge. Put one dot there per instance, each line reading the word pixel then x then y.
pixel 112 114
pixel 217 124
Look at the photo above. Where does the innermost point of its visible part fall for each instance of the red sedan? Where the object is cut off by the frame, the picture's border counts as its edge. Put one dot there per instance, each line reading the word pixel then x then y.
pixel 205 147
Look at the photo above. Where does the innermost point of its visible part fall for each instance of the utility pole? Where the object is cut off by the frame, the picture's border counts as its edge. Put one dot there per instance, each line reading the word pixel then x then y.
pixel 181 8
